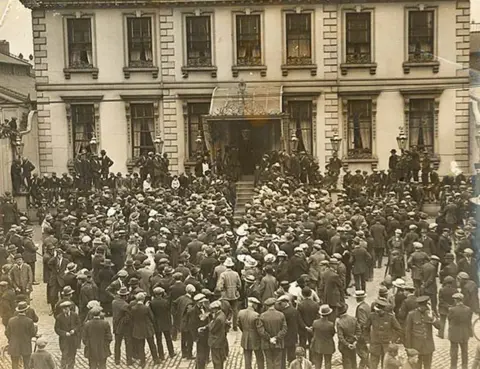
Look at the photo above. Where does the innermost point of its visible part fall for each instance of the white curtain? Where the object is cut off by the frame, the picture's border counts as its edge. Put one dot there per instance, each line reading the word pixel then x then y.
pixel 207 136
pixel 414 132
pixel 89 57
pixel 134 55
pixel 148 54
pixel 427 132
pixel 365 135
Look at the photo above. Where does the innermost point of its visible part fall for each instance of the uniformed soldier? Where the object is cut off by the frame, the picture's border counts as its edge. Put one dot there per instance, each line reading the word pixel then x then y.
pixel 418 332
pixel 382 328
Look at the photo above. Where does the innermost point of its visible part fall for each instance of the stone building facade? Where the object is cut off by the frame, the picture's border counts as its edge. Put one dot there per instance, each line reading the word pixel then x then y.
pixel 219 74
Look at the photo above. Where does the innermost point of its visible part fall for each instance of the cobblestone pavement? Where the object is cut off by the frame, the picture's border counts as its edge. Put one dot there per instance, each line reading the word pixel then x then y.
pixel 441 357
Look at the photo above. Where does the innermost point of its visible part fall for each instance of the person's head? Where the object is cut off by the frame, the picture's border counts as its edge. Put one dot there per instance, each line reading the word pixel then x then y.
pixel 253 302
pixel 18 259
pixel 422 302
pixel 458 298
pixel 393 349
pixel 299 352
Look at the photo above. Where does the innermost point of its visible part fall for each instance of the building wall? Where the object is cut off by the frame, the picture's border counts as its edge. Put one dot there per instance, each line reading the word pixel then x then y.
pixel 326 87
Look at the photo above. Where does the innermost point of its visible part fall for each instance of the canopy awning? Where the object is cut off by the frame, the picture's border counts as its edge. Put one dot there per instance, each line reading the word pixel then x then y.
pixel 242 100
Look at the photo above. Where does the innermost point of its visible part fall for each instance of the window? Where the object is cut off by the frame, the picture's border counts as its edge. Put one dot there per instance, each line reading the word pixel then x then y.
pixel 420 36
pixel 249 45
pixel 359 122
pixel 359 39
pixel 199 43
pixel 421 124
pixel 301 124
pixel 195 112
pixel 299 39
pixel 83 127
pixel 79 43
pixel 140 42
pixel 143 130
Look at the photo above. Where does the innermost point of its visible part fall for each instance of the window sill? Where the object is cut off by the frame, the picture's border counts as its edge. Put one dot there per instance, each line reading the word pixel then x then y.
pixel 373 161
pixel 372 67
pixel 212 69
pixel 435 65
pixel 311 67
pixel 69 71
pixel 249 68
pixel 128 70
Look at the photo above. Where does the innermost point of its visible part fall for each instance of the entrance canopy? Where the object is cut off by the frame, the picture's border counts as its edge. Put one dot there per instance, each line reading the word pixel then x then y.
pixel 246 101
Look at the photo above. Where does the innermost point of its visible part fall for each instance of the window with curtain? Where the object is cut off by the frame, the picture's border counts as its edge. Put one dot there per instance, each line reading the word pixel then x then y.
pixel 195 112
pixel 83 127
pixel 359 38
pixel 421 36
pixel 301 124
pixel 359 121
pixel 79 43
pixel 140 53
pixel 143 129
pixel 299 39
pixel 199 43
pixel 249 44
pixel 421 124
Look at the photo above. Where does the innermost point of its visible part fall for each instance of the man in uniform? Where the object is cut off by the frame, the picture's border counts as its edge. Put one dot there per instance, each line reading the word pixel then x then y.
pixel 382 328
pixel 250 341
pixel 418 332
pixel 272 328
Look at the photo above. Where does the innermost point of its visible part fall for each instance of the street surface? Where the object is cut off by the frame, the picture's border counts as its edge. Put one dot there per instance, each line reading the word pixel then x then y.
pixel 441 357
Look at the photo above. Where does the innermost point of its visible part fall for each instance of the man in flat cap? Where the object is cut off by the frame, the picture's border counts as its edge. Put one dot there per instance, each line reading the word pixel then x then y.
pixel 429 280
pixel 96 336
pixel 250 341
pixel 459 330
pixel 217 335
pixel 162 315
pixel 122 325
pixel 469 290
pixel 272 328
pixel 418 332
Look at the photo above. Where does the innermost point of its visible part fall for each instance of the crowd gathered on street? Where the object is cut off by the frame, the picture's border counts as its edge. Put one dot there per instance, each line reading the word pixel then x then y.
pixel 164 257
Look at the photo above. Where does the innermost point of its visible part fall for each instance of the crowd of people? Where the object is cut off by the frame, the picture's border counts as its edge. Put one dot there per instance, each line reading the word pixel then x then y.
pixel 167 260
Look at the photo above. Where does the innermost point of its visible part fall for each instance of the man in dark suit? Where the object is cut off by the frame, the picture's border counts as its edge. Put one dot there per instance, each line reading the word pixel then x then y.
pixel 429 280
pixel 30 251
pixel 217 335
pixel 162 315
pixel 122 325
pixel 143 329
pixel 250 340
pixel 418 332
pixel 469 290
pixel 307 313
pixel 379 235
pixel 333 293
pixel 19 331
pixel 323 345
pixel 57 267
pixel 8 212
pixel 291 338
pixel 97 335
pixel 67 327
pixel 459 330
pixel 360 260
pixel 105 164
pixel 468 264
pixel 272 328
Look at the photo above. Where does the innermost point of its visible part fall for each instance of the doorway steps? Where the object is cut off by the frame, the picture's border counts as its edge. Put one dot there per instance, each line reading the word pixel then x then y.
pixel 245 192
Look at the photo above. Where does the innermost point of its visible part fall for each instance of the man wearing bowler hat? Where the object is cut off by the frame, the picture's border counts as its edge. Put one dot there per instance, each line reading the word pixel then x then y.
pixel 21 277
pixel 418 332
pixel 272 328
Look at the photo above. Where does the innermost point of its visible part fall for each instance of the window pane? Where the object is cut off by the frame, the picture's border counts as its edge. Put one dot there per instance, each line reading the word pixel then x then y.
pixel 199 52
pixel 79 43
pixel 301 124
pixel 195 111
pixel 420 36
pixel 299 35
pixel 358 30
pixel 359 128
pixel 143 129
pixel 249 49
pixel 140 42
pixel 421 124
pixel 83 127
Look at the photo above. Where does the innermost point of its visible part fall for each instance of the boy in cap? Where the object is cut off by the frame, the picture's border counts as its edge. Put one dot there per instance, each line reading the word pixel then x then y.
pixel 41 358
pixel 412 359
pixel 391 360
pixel 300 362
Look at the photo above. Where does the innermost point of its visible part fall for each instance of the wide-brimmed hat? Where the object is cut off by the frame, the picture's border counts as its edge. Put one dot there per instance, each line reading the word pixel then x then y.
pixel 325 310
pixel 229 263
pixel 67 290
pixel 123 291
pixel 21 307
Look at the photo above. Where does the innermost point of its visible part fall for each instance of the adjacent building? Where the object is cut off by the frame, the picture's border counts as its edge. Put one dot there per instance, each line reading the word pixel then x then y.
pixel 240 75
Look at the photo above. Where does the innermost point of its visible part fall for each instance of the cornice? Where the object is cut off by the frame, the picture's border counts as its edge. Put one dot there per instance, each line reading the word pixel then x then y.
pixel 92 4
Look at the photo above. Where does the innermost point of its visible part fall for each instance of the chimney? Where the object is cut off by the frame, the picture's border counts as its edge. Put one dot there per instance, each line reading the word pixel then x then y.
pixel 4 47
